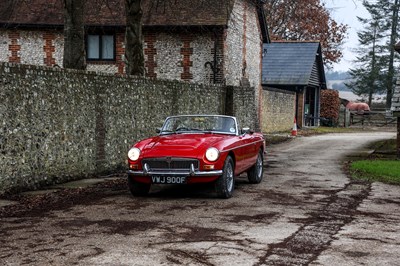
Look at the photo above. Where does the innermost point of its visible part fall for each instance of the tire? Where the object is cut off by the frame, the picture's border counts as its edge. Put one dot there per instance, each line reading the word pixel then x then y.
pixel 138 189
pixel 255 173
pixel 225 185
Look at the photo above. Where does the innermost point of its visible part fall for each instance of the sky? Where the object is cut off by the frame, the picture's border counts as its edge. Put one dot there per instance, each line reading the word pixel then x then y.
pixel 346 12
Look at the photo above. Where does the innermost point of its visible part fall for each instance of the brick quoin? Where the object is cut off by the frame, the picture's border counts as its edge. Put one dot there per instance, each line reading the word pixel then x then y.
pixel 300 108
pixel 14 47
pixel 151 64
pixel 119 52
pixel 49 48
pixel 186 52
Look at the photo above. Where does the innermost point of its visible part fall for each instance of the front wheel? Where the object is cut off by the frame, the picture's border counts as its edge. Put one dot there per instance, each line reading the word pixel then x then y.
pixel 138 189
pixel 225 185
pixel 255 173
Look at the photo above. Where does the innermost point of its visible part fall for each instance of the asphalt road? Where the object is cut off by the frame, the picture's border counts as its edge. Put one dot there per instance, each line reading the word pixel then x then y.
pixel 305 212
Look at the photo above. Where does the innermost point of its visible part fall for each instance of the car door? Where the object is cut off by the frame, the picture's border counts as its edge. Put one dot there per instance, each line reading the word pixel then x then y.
pixel 246 152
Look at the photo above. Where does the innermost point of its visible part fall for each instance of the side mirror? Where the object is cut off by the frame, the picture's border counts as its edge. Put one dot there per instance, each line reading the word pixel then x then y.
pixel 246 130
pixel 158 130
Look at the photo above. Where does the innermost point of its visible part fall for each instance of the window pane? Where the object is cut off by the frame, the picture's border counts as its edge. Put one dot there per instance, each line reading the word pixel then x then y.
pixel 107 47
pixel 93 47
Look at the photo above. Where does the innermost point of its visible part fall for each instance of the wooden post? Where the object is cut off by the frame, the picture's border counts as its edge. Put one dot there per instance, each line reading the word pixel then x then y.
pixel 396 104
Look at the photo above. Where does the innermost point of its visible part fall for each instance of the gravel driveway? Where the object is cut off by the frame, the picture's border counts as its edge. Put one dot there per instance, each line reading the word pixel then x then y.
pixel 305 212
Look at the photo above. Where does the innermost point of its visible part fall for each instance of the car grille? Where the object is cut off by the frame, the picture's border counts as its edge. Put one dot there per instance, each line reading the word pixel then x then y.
pixel 171 163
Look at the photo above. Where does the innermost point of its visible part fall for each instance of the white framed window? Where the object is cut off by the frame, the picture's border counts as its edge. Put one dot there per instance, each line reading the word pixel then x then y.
pixel 100 47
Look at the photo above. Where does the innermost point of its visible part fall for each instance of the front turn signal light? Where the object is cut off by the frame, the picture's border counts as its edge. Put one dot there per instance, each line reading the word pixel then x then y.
pixel 208 167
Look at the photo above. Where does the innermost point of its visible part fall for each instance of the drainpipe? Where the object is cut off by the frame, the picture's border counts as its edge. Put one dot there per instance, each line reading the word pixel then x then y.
pixel 213 65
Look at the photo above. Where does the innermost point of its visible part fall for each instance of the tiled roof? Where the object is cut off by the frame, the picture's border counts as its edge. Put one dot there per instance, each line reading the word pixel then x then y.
pixel 188 12
pixel 31 12
pixel 112 12
pixel 290 63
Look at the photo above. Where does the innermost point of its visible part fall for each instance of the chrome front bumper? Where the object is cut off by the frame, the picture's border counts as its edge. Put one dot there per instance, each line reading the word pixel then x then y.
pixel 191 172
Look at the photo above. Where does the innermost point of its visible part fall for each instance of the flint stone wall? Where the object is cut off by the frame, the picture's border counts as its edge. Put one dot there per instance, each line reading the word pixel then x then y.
pixel 58 125
pixel 278 110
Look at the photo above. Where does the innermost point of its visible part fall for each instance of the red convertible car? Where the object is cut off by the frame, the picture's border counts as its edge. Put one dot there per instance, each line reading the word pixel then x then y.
pixel 196 149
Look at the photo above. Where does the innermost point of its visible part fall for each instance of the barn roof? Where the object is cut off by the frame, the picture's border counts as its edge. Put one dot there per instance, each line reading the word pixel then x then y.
pixel 291 64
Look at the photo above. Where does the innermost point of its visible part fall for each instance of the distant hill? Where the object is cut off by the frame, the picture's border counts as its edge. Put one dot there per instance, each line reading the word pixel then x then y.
pixel 337 75
pixel 335 80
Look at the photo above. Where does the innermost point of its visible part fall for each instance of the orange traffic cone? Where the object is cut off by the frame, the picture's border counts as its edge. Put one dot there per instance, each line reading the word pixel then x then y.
pixel 294 130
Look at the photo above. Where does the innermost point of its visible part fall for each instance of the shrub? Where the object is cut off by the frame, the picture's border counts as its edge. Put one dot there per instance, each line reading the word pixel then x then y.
pixel 330 105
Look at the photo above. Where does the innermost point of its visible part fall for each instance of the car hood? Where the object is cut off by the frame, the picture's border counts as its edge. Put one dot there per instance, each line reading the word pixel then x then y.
pixel 180 144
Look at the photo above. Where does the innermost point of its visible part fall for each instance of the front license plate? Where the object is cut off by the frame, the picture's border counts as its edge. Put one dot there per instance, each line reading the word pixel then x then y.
pixel 168 179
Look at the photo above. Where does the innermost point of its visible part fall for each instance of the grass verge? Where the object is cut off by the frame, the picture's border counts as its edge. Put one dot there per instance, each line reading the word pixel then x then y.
pixel 380 166
pixel 386 171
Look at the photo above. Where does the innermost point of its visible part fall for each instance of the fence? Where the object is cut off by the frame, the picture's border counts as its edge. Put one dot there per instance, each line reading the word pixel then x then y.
pixel 375 118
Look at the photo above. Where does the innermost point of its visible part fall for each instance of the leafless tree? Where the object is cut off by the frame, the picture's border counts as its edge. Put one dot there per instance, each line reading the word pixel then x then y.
pixel 74 34
pixel 134 57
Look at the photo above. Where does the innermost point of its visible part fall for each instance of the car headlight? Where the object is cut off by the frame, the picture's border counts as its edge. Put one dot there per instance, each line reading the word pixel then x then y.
pixel 133 154
pixel 212 154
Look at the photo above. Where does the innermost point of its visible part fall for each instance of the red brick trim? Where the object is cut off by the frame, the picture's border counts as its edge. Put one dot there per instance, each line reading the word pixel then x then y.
pixel 49 48
pixel 119 52
pixel 150 39
pixel 186 52
pixel 300 108
pixel 14 47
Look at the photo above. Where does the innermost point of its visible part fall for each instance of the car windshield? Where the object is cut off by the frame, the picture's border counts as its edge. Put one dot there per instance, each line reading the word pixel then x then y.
pixel 199 124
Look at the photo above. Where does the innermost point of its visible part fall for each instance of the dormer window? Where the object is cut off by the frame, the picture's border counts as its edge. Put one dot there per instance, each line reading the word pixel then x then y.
pixel 100 47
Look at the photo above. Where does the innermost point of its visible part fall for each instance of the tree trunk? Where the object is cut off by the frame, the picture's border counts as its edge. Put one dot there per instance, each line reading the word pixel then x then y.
pixel 373 67
pixel 393 37
pixel 134 57
pixel 74 35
